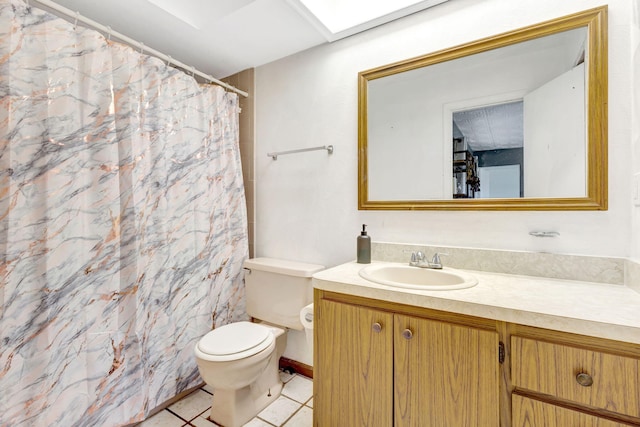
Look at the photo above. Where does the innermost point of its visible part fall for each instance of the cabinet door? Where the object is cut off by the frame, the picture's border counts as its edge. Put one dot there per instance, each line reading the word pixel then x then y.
pixel 353 372
pixel 531 413
pixel 445 374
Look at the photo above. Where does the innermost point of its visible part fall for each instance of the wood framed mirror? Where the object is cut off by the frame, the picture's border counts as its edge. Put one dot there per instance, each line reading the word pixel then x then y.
pixel 516 121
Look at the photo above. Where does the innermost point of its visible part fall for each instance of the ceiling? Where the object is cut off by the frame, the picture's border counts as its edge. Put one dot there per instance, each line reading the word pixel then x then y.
pixel 494 127
pixel 223 37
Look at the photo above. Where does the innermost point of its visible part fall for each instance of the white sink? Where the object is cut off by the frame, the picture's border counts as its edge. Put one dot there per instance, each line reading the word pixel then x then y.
pixel 405 276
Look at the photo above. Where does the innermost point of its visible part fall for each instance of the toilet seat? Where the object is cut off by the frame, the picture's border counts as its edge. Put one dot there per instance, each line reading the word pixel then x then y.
pixel 235 341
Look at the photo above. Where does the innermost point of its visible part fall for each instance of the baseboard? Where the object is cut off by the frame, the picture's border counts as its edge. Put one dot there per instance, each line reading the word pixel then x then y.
pixel 297 367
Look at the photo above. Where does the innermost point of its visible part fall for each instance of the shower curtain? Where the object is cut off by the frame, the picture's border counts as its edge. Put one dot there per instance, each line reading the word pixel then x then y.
pixel 122 224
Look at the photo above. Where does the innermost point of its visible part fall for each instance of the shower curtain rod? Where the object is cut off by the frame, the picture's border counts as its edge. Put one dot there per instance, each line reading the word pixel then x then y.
pixel 77 17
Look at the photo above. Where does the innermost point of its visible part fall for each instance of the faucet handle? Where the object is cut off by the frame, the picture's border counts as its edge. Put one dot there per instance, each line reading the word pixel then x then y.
pixel 417 257
pixel 436 258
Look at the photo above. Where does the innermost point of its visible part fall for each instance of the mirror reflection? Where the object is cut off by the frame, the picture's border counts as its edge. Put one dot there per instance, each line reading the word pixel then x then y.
pixel 488 148
pixel 507 121
pixel 503 157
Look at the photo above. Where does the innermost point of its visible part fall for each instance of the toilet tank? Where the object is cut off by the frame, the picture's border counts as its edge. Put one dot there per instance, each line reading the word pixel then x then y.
pixel 278 289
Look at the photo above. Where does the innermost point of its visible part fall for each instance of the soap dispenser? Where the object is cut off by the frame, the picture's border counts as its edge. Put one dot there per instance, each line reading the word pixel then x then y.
pixel 364 247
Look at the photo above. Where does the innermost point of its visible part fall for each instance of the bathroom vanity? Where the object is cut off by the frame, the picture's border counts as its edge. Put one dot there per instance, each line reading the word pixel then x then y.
pixel 510 351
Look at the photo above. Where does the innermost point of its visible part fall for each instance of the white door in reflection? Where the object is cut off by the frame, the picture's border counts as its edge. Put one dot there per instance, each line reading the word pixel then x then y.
pixel 499 182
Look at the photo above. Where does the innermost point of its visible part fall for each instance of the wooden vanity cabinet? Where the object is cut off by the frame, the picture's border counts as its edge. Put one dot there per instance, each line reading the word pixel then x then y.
pixel 353 371
pixel 531 412
pixel 563 380
pixel 381 364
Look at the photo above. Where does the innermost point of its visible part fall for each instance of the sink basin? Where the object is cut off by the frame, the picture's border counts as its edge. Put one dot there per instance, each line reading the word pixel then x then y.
pixel 405 276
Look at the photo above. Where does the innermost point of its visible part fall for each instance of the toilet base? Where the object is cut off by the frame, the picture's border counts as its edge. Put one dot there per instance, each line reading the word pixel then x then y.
pixel 235 408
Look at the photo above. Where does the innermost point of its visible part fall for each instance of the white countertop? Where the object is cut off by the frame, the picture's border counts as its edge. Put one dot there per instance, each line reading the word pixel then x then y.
pixel 594 309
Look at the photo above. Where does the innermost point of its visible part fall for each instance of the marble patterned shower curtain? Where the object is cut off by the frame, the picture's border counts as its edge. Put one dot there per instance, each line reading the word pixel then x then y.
pixel 122 224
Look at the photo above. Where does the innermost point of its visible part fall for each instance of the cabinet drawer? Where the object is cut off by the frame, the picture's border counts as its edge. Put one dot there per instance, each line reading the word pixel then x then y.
pixel 531 412
pixel 587 377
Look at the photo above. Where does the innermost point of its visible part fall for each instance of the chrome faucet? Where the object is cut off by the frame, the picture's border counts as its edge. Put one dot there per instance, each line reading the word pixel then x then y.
pixel 418 259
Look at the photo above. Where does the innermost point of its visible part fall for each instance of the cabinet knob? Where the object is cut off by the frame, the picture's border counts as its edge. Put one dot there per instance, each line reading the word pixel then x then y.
pixel 377 327
pixel 407 334
pixel 585 380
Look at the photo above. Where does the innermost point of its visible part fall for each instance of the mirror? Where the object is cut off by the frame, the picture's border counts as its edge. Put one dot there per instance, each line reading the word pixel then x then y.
pixel 513 121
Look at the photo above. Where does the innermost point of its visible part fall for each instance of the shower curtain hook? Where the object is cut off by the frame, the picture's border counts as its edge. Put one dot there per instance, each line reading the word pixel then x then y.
pixel 108 33
pixel 141 48
pixel 75 23
pixel 193 71
pixel 169 60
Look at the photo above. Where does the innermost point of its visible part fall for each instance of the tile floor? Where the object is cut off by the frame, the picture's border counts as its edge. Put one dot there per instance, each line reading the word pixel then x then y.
pixel 294 408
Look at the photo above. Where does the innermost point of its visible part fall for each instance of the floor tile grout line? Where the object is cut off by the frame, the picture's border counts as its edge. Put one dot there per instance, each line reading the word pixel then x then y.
pixel 304 403
pixel 171 412
pixel 265 421
pixel 292 415
pixel 200 414
pixel 300 405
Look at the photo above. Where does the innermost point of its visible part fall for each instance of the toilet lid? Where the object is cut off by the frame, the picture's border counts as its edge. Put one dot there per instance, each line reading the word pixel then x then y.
pixel 236 338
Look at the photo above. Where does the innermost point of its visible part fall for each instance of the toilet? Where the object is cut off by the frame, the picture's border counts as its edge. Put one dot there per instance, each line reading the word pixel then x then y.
pixel 240 360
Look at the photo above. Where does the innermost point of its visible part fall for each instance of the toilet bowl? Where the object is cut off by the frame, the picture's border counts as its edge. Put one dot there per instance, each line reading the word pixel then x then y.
pixel 240 360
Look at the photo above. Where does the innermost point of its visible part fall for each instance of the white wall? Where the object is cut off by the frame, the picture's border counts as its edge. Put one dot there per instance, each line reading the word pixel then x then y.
pixel 307 203
pixel 400 165
pixel 635 114
pixel 555 153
